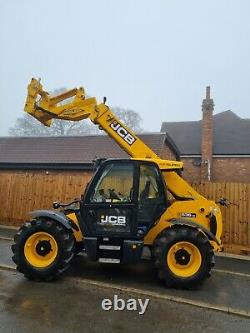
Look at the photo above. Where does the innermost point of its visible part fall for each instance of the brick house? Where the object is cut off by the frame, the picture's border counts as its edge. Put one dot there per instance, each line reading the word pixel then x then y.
pixel 216 148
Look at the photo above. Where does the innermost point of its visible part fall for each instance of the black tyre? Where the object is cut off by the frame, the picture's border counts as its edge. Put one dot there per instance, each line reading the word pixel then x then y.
pixel 43 249
pixel 183 257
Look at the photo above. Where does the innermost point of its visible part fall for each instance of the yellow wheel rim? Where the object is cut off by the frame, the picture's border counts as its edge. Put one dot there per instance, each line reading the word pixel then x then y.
pixel 40 249
pixel 184 259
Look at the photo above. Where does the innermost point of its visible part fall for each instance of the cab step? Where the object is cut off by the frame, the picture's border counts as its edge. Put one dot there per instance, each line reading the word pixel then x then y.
pixel 109 260
pixel 110 247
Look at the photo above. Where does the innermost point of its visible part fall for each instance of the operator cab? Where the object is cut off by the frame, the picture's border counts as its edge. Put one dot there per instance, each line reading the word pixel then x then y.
pixel 122 202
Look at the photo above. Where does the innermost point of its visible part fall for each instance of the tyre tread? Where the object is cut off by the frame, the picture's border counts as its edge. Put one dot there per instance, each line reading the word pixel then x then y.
pixel 166 239
pixel 65 242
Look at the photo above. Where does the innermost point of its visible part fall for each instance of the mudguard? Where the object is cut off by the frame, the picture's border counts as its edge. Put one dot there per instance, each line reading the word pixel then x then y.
pixel 192 224
pixel 57 216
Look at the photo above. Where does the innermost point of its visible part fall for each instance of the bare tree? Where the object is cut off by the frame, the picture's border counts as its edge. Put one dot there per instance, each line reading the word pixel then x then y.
pixel 130 118
pixel 29 126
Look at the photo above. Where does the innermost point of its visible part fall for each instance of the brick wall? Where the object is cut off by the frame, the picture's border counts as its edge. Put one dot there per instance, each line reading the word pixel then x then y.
pixel 167 153
pixel 191 172
pixel 228 169
pixel 231 169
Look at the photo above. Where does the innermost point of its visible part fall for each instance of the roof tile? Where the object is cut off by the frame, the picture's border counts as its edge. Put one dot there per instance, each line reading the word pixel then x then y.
pixel 231 135
pixel 75 149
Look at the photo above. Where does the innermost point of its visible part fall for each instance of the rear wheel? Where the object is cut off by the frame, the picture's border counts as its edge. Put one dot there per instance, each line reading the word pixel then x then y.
pixel 43 249
pixel 183 256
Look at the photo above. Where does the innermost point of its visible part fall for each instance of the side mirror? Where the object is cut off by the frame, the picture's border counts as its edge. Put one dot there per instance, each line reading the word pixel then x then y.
pixel 224 202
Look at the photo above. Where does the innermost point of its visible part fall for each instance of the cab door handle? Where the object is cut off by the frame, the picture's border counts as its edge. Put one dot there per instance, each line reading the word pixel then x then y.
pixel 92 213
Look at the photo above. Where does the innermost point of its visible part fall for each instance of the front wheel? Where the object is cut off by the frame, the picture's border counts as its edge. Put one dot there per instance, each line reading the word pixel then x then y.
pixel 183 256
pixel 43 249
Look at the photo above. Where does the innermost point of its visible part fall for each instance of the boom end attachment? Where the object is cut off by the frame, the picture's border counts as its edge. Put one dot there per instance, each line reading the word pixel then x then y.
pixel 45 108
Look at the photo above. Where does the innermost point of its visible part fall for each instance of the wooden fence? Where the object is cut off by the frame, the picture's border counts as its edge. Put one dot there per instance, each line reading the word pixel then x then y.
pixel 236 218
pixel 21 192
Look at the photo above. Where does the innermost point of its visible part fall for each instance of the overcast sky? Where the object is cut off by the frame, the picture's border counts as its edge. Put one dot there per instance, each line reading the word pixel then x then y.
pixel 154 57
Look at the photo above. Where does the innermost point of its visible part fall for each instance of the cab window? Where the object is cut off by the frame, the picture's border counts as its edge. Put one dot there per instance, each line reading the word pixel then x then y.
pixel 115 184
pixel 151 196
pixel 148 186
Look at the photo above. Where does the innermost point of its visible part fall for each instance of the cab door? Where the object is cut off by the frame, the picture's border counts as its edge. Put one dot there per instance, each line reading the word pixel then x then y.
pixel 152 201
pixel 110 205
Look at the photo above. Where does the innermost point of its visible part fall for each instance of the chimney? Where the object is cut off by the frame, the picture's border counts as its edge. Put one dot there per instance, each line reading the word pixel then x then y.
pixel 207 136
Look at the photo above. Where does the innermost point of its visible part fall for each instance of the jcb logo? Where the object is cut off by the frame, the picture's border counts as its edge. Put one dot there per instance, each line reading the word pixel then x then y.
pixel 114 220
pixel 122 132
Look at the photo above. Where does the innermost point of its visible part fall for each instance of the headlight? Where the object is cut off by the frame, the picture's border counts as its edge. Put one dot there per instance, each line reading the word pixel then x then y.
pixel 214 210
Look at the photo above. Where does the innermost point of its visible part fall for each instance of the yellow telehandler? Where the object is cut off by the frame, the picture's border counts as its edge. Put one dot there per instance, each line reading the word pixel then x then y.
pixel 129 204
